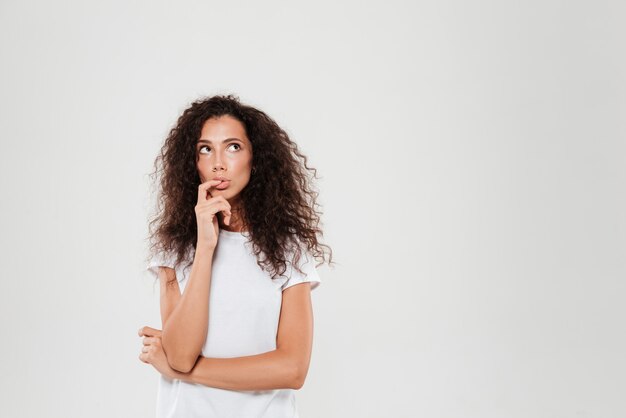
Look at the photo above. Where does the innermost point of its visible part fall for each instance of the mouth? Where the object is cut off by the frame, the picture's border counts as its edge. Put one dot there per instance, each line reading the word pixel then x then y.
pixel 223 185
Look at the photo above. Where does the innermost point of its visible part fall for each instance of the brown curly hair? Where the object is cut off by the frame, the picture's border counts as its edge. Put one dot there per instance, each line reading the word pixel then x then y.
pixel 279 204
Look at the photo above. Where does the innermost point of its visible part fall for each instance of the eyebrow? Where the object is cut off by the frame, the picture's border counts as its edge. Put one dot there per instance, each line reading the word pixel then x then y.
pixel 208 141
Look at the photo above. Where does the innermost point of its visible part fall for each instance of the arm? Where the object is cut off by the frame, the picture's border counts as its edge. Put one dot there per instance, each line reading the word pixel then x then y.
pixel 266 371
pixel 285 367
pixel 170 292
pixel 186 317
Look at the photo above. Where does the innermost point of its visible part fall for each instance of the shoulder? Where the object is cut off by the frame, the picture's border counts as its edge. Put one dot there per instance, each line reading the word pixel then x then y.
pixel 301 271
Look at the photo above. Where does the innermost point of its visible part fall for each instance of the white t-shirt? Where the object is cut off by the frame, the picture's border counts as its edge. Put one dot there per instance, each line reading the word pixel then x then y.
pixel 244 311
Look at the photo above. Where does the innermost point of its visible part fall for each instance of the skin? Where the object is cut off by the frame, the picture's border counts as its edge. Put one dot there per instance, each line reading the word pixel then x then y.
pixel 224 149
pixel 284 367
pixel 287 365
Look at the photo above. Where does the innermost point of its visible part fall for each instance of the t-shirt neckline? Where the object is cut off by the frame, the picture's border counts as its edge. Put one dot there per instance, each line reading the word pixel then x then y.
pixel 234 234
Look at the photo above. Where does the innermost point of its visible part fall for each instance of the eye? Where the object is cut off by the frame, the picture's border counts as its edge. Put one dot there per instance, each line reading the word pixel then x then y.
pixel 207 147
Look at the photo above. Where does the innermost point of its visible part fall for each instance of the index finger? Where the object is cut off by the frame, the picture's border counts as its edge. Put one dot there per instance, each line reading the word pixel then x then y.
pixel 149 332
pixel 203 188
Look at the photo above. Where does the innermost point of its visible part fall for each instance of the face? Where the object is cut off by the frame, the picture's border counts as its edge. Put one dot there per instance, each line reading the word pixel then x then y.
pixel 224 150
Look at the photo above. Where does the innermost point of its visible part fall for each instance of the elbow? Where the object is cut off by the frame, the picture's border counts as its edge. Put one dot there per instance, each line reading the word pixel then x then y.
pixel 180 360
pixel 297 384
pixel 182 365
pixel 296 368
pixel 298 377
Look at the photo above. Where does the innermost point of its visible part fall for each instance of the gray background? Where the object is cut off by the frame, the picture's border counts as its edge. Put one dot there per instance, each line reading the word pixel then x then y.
pixel 471 157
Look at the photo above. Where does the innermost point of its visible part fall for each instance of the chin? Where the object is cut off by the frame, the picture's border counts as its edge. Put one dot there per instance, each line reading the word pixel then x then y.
pixel 220 193
pixel 228 194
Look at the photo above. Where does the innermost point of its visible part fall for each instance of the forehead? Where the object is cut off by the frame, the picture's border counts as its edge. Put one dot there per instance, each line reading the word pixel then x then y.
pixel 222 127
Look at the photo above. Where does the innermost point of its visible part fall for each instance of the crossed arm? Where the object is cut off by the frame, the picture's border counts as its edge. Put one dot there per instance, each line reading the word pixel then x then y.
pixel 284 367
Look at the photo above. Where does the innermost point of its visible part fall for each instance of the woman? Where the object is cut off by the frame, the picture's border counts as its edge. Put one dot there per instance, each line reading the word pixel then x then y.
pixel 234 246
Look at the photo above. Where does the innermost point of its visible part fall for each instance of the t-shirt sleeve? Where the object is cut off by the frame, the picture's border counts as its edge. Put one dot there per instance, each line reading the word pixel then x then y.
pixel 307 265
pixel 161 260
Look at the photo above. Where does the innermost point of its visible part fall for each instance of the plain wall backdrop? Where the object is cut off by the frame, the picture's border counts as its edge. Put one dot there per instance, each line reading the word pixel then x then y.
pixel 472 171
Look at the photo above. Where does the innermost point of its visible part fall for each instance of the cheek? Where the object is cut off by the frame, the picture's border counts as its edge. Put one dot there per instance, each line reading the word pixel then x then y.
pixel 202 172
pixel 243 167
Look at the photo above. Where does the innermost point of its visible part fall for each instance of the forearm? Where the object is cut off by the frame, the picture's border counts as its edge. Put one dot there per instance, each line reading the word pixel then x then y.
pixel 266 371
pixel 185 330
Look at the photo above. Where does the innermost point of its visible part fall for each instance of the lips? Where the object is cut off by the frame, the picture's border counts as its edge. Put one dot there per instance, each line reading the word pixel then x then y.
pixel 224 184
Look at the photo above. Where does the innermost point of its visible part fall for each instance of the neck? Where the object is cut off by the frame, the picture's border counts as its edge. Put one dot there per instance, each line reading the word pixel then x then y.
pixel 236 222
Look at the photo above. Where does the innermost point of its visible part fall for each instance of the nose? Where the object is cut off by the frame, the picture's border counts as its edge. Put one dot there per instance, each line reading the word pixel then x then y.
pixel 217 165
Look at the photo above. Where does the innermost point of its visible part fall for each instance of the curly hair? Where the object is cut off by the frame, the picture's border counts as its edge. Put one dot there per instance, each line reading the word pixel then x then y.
pixel 279 204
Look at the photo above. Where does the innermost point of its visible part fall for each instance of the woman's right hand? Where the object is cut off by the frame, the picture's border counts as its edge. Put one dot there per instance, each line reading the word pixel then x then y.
pixel 206 210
